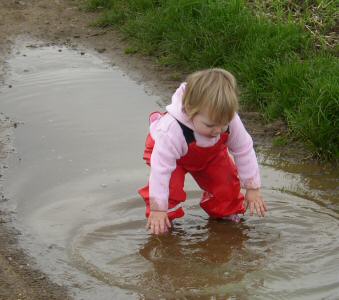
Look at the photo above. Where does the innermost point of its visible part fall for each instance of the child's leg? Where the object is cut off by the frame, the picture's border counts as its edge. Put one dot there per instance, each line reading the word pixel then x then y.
pixel 221 186
pixel 176 194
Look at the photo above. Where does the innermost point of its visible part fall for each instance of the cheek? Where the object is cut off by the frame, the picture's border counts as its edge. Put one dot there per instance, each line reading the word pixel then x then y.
pixel 202 127
pixel 206 130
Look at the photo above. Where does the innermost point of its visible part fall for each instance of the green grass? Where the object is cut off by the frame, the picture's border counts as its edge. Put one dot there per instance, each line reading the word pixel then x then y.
pixel 280 141
pixel 319 17
pixel 285 65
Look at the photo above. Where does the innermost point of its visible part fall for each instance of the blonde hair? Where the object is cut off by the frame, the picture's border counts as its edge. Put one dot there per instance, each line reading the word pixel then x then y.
pixel 214 90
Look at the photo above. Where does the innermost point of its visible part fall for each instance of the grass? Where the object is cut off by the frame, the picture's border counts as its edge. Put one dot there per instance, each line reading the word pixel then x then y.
pixel 280 51
pixel 318 17
pixel 280 141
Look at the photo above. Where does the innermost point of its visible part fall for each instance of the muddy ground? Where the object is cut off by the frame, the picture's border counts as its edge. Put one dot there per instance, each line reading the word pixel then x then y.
pixel 61 22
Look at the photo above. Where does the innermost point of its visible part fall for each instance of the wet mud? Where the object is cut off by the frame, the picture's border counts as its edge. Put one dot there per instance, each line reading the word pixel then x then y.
pixel 72 180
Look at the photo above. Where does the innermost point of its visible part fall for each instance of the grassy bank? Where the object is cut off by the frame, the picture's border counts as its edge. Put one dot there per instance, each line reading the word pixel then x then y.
pixel 284 70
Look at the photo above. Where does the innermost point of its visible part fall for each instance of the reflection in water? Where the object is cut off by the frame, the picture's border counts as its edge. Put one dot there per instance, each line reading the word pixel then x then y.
pixel 198 260
pixel 209 259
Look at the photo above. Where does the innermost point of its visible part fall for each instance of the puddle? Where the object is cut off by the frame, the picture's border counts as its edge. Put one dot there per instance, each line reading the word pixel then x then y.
pixel 72 185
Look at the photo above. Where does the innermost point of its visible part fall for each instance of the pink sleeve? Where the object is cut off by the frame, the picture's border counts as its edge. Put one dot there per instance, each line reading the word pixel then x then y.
pixel 169 146
pixel 240 145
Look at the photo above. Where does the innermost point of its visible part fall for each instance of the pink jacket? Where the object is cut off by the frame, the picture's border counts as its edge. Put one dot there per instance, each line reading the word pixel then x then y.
pixel 170 145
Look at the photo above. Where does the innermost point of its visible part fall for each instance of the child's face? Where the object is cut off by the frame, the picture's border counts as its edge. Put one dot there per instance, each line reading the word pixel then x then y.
pixel 204 126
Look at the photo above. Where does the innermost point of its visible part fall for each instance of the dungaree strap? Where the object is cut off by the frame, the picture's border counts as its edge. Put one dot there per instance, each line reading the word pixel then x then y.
pixel 188 133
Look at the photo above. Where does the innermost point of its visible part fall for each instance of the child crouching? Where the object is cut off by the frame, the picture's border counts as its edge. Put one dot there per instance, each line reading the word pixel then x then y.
pixel 195 135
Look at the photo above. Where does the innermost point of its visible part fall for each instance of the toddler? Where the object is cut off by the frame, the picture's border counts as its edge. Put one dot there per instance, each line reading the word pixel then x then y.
pixel 195 135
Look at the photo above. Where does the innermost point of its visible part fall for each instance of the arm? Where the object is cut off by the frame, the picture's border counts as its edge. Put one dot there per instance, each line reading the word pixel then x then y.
pixel 241 147
pixel 169 146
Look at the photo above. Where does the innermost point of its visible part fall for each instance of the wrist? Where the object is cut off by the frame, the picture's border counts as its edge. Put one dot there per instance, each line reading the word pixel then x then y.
pixel 157 205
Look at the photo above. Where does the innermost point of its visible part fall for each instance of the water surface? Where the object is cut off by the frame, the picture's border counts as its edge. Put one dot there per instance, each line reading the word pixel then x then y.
pixel 72 185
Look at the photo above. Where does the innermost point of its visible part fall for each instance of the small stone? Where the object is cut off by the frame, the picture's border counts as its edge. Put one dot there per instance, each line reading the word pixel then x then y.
pixel 101 50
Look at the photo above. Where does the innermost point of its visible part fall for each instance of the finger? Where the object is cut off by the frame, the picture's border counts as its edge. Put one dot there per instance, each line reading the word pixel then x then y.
pixel 168 223
pixel 152 228
pixel 157 228
pixel 245 203
pixel 251 209
pixel 148 225
pixel 265 206
pixel 259 210
pixel 162 226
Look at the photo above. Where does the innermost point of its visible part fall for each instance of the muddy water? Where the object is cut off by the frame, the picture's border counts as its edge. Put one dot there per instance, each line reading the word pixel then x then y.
pixel 72 185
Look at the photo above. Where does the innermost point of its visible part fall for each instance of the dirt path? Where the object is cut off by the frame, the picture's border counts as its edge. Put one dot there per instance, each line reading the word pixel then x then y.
pixel 61 22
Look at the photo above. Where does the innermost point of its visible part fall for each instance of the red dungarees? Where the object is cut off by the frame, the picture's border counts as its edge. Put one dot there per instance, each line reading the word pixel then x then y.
pixel 213 170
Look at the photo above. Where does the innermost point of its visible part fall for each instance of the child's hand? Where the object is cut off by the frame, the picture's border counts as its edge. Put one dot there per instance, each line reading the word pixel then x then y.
pixel 158 222
pixel 254 200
